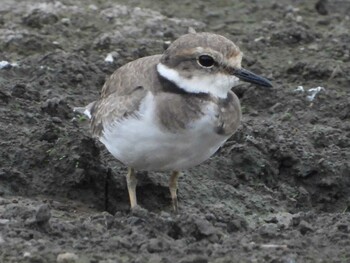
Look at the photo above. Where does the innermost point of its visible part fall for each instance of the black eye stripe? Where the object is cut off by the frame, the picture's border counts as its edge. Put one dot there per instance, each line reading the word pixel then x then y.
pixel 206 61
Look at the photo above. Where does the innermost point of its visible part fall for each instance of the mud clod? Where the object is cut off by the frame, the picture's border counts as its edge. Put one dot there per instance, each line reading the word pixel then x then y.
pixel 67 258
pixel 43 214
pixel 37 18
pixel 305 227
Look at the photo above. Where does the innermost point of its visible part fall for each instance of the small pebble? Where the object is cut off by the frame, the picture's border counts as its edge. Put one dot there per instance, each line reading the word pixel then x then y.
pixel 43 214
pixel 67 258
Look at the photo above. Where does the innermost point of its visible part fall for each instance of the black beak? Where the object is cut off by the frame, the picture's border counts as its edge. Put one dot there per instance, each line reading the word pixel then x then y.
pixel 248 76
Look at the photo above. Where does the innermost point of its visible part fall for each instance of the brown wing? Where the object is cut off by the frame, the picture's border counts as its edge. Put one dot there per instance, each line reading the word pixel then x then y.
pixel 123 92
pixel 124 80
pixel 114 108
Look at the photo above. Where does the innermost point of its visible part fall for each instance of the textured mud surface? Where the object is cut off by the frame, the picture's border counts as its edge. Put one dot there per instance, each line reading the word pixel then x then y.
pixel 278 191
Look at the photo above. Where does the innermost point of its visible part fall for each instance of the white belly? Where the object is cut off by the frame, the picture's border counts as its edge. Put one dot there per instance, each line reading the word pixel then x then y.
pixel 141 144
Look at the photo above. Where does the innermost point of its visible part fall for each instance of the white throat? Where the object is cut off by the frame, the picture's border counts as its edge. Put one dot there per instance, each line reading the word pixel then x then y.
pixel 217 85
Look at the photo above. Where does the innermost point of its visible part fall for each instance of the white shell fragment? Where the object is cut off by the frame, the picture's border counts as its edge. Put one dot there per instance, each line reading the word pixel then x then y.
pixel 5 64
pixel 313 92
pixel 109 58
pixel 299 89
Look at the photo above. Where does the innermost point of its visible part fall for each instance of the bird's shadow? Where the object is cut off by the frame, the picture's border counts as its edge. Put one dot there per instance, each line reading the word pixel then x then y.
pixel 151 194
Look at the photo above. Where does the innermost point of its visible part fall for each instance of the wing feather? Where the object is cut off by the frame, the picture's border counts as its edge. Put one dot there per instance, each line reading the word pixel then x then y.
pixel 114 108
pixel 123 92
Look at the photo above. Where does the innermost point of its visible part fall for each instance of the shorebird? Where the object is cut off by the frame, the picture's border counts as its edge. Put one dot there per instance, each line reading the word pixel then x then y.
pixel 172 111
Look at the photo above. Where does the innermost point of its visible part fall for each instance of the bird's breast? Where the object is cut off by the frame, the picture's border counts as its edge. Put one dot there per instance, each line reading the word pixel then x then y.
pixel 167 138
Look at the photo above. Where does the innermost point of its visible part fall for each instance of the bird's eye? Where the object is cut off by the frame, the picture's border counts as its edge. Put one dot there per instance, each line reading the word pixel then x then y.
pixel 206 61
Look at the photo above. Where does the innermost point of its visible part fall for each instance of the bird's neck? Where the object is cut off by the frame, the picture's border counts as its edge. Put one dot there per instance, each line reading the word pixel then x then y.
pixel 216 85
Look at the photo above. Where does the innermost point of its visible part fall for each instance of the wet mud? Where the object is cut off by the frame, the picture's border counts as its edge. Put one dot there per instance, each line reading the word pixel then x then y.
pixel 278 191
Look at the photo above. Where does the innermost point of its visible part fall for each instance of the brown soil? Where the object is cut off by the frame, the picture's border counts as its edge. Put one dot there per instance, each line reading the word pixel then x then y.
pixel 278 191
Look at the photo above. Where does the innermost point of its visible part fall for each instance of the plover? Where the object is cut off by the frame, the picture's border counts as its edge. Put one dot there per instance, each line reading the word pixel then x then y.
pixel 172 111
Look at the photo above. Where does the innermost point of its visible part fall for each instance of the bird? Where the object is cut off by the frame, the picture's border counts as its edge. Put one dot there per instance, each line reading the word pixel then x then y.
pixel 172 111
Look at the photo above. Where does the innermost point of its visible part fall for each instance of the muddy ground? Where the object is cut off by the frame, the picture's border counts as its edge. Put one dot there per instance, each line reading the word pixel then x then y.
pixel 278 191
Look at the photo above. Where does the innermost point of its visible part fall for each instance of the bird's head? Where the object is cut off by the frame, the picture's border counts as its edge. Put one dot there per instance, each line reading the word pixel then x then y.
pixel 206 63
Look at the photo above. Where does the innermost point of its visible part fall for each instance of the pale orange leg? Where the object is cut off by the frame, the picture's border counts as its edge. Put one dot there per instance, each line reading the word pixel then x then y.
pixel 132 182
pixel 173 189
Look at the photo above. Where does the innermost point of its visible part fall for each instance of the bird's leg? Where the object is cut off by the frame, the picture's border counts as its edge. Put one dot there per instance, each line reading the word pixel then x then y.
pixel 132 182
pixel 173 189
